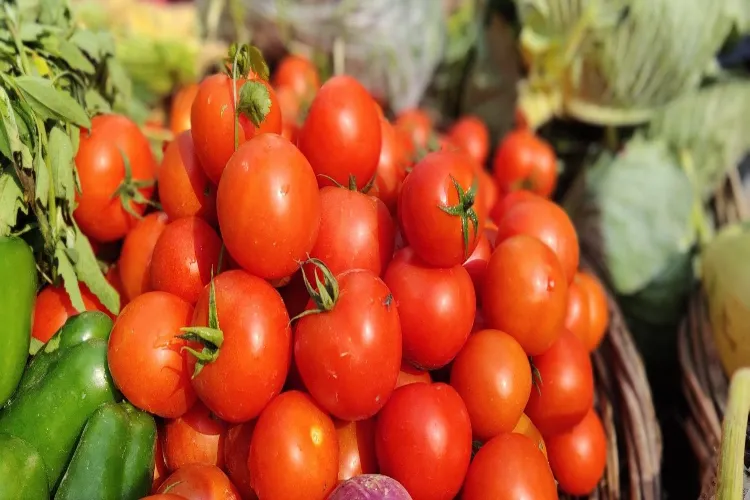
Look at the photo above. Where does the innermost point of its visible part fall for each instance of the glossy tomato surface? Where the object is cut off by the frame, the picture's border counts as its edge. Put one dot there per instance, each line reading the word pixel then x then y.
pixel 525 161
pixel 471 135
pixel 53 307
pixel 197 437
pixel 356 448
pixel 137 251
pixel 200 481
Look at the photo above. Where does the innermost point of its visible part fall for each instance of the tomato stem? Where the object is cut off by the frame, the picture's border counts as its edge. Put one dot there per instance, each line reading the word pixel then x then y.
pixel 465 210
pixel 129 190
pixel 325 294
pixel 730 473
pixel 211 336
pixel 536 376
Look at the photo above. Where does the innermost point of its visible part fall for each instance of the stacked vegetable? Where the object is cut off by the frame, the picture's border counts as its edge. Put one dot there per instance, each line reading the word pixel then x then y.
pixel 322 295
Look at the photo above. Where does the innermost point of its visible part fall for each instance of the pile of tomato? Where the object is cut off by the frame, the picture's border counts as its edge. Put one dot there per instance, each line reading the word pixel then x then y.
pixel 331 293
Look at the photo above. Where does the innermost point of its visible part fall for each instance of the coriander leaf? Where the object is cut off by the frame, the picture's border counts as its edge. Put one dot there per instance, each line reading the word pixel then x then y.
pixel 70 281
pixel 89 272
pixel 60 153
pixel 258 63
pixel 50 102
pixel 87 42
pixel 72 55
pixel 54 12
pixel 10 142
pixel 31 32
pixel 95 103
pixel 11 201
pixel 254 101
pixel 42 180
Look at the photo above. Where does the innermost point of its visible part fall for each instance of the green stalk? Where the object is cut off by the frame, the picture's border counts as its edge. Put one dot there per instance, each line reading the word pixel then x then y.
pixel 731 467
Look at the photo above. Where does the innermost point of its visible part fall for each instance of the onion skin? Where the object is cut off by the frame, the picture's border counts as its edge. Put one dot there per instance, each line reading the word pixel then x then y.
pixel 370 487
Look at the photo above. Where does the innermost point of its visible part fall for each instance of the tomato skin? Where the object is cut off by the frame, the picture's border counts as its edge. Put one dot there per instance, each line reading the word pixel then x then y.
pixel 349 357
pixel 254 357
pixel 477 262
pixel 164 496
pixel 197 437
pixel 577 317
pixel 184 189
pixel 508 467
pixel 525 293
pixel 269 207
pixel 341 134
pixel 411 375
pixel 53 307
pixel 525 161
pixel 289 106
pixel 101 171
pixel 200 482
pixel 356 232
pixel 566 392
pixel 299 74
pixel 436 236
pixel 160 466
pixel 471 135
pixel 598 309
pixel 526 427
pixel 236 451
pixel 391 170
pixel 416 127
pixel 356 448
pixel 137 252
pixel 294 453
pixel 147 330
pixel 578 457
pixel 179 113
pixel 185 255
pixel 423 440
pixel 436 308
pixel 549 223
pixel 505 202
pixel 487 193
pixel 493 377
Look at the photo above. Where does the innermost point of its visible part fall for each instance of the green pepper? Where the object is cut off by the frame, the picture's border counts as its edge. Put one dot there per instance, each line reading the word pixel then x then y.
pixel 114 459
pixel 22 473
pixel 18 291
pixel 53 402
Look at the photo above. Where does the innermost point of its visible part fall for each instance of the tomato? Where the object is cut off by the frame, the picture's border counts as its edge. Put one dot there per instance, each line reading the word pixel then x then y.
pixel 299 74
pixel 578 457
pixel 487 193
pixel 525 293
pixel 423 440
pixel 341 133
pixel 471 135
pixel 436 209
pixel 526 427
pixel 356 232
pixel 160 466
pixel 145 354
pixel 566 390
pixel 509 467
pixel 356 448
pixel 436 308
pixel 524 161
pixel 53 307
pixel 549 223
pixel 253 359
pixel 289 106
pixel 416 125
pixel 164 496
pixel 184 189
pixel 476 264
pixel 505 202
pixel 106 185
pixel 392 164
pixel 137 252
pixel 412 375
pixel 577 317
pixel 200 482
pixel 490 232
pixel 349 353
pixel 197 437
pixel 493 377
pixel 185 256
pixel 236 451
pixel 179 112
pixel 294 453
pixel 269 207
pixel 273 122
pixel 598 308
pixel 479 322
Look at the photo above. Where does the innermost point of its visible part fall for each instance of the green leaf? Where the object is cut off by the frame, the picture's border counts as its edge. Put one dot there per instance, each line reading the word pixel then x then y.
pixel 31 32
pixel 70 281
pixel 60 153
pixel 72 55
pixel 51 102
pixel 96 104
pixel 88 42
pixel 26 131
pixel 89 272
pixel 11 201
pixel 42 180
pixel 10 142
pixel 258 62
pixel 254 101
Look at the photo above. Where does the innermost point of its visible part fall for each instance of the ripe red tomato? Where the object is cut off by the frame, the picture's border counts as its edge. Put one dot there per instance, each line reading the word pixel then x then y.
pixel 356 448
pixel 525 293
pixel 105 184
pixel 524 161
pixel 341 134
pixel 253 359
pixel 179 112
pixel 477 262
pixel 299 74
pixel 392 164
pixel 185 256
pixel 197 437
pixel 487 193
pixel 356 232
pixel 423 440
pixel 471 135
pixel 577 317
pixel 566 390
pixel 493 377
pixel 490 231
pixel 294 453
pixel 549 223
pixel 509 467
pixel 184 189
pixel 289 104
pixel 200 481
pixel 411 375
pixel 236 451
pixel 598 309
pixel 53 307
pixel 164 496
pixel 349 354
pixel 145 357
pixel 436 308
pixel 578 457
pixel 526 427
pixel 505 202
pixel 416 127
pixel 136 254
pixel 270 183
pixel 436 209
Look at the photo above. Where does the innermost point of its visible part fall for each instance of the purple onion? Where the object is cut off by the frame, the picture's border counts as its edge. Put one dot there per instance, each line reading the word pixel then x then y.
pixel 370 487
